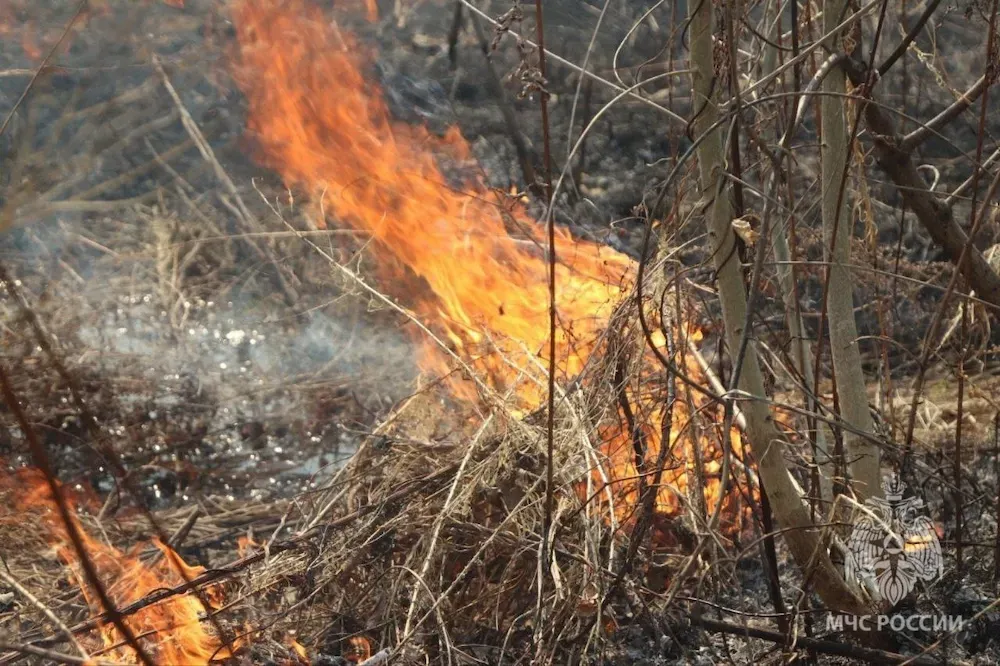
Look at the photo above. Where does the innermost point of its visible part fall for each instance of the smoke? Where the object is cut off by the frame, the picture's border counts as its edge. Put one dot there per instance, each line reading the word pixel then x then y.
pixel 131 254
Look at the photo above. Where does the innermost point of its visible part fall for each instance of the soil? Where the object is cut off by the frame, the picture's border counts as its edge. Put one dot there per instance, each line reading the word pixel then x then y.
pixel 213 385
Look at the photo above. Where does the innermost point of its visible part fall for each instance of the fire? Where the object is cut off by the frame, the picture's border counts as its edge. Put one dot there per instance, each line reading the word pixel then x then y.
pixel 299 650
pixel 171 631
pixel 480 259
pixel 472 264
pixel 317 121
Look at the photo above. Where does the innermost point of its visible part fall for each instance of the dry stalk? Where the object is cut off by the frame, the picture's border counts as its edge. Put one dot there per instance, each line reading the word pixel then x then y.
pixel 53 656
pixel 249 220
pixel 436 532
pixel 52 617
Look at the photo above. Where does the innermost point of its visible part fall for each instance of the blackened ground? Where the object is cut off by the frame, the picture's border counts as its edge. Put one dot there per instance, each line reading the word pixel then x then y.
pixel 208 383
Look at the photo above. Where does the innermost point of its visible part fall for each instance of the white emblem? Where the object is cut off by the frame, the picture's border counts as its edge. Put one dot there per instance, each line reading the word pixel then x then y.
pixel 893 545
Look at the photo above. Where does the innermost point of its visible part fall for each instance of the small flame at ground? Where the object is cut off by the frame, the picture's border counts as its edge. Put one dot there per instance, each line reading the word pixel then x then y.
pixel 171 631
pixel 299 650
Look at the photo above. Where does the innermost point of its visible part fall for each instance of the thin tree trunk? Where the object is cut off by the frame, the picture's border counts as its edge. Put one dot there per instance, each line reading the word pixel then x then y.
pixel 838 226
pixel 802 357
pixel 804 540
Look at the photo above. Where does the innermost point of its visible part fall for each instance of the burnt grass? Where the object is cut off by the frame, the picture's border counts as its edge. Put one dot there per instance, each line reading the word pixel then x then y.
pixel 215 383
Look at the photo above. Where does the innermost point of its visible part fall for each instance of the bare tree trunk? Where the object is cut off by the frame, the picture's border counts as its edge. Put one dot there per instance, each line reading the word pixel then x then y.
pixel 805 541
pixel 802 357
pixel 838 227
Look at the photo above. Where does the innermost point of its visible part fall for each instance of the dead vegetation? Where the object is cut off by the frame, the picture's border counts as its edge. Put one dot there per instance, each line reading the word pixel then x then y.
pixel 289 427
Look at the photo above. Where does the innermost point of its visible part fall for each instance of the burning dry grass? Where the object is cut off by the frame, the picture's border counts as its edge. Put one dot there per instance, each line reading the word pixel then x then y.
pixel 472 268
pixel 440 558
pixel 427 544
pixel 428 541
pixel 317 122
pixel 42 566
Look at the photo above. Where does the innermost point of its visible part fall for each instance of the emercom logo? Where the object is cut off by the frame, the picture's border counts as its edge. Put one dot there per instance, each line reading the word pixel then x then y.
pixel 892 545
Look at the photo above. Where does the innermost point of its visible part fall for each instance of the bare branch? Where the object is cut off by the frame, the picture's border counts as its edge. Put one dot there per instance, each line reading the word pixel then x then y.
pixel 932 213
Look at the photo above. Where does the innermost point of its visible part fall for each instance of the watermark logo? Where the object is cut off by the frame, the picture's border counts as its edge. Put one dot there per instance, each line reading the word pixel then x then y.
pixel 911 623
pixel 893 545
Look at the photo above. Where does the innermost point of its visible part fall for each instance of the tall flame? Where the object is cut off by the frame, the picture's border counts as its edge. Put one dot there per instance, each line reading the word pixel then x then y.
pixel 317 121
pixel 326 130
pixel 472 265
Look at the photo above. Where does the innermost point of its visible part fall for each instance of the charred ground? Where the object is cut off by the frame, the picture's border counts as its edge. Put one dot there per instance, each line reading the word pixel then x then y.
pixel 229 370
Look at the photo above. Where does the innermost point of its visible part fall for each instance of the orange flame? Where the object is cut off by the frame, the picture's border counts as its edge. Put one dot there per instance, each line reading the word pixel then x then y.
pixel 171 631
pixel 481 263
pixel 299 649
pixel 321 125
pixel 473 265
